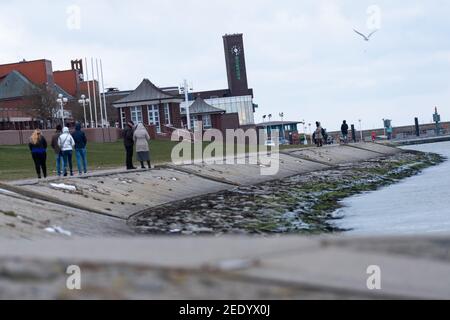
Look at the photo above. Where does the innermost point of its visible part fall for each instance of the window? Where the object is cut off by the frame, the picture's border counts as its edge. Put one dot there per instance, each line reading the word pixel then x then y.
pixel 167 114
pixel 194 120
pixel 207 121
pixel 153 117
pixel 136 114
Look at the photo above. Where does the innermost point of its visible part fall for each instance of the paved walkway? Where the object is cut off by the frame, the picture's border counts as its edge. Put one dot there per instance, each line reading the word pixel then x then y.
pixel 227 268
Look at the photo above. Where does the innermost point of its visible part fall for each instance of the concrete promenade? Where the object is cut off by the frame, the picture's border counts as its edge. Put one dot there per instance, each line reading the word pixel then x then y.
pixel 89 223
pixel 421 140
pixel 102 202
pixel 227 268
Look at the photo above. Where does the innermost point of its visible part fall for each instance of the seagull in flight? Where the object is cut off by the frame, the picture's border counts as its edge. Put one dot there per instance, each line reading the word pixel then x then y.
pixel 366 38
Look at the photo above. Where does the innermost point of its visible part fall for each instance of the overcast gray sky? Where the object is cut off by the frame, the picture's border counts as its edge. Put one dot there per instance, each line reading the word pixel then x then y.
pixel 303 57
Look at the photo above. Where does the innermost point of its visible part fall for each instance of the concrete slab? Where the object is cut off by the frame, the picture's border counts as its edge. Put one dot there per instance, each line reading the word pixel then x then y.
pixel 122 195
pixel 249 174
pixel 376 147
pixel 25 218
pixel 161 252
pixel 298 267
pixel 402 277
pixel 335 155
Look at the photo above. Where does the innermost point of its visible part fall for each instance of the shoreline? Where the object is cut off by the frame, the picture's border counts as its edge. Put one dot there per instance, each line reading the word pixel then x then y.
pixel 302 204
pixel 202 199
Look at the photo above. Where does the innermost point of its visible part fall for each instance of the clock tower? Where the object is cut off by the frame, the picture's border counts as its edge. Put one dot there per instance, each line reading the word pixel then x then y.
pixel 235 62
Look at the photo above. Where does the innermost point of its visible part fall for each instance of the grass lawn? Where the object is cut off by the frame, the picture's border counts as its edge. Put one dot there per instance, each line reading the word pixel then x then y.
pixel 16 162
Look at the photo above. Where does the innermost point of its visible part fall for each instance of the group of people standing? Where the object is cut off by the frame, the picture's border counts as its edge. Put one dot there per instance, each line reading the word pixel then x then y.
pixel 320 136
pixel 136 135
pixel 64 144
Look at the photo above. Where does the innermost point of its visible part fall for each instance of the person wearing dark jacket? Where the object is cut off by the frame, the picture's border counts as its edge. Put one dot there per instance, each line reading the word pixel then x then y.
pixel 57 150
pixel 38 148
pixel 80 148
pixel 344 131
pixel 128 141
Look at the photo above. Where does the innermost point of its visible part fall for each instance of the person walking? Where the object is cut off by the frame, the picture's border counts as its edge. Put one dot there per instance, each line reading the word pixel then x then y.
pixel 38 148
pixel 374 136
pixel 57 150
pixel 128 141
pixel 80 148
pixel 318 135
pixel 66 144
pixel 344 131
pixel 141 139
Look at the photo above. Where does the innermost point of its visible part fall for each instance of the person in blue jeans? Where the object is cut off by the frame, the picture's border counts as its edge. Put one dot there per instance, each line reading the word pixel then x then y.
pixel 80 148
pixel 66 144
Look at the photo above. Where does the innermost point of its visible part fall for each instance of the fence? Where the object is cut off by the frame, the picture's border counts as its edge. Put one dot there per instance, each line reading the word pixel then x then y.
pixel 17 137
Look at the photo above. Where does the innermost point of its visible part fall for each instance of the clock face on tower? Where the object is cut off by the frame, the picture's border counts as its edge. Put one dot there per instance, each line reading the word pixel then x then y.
pixel 236 50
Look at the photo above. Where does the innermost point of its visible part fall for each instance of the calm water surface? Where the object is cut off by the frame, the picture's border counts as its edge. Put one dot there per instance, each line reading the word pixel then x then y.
pixel 417 205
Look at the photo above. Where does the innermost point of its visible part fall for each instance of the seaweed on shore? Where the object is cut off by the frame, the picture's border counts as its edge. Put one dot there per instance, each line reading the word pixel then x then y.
pixel 303 204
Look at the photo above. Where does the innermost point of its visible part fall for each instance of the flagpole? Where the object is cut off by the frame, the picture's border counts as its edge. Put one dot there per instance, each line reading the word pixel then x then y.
pixel 89 91
pixel 104 96
pixel 94 94
pixel 99 95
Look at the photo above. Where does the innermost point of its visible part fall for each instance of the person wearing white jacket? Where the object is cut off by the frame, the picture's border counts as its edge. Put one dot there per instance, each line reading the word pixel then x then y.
pixel 66 144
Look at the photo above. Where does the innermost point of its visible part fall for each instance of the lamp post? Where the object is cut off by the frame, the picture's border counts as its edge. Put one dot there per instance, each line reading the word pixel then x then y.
pixel 360 129
pixel 282 126
pixel 62 101
pixel 310 133
pixel 83 102
pixel 305 140
pixel 185 88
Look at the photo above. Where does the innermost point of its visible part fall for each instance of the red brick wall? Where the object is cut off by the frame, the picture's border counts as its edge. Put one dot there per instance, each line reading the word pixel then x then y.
pixel 84 89
pixel 18 137
pixel 14 108
pixel 69 80
pixel 216 121
pixel 229 121
pixel 145 118
pixel 39 72
pixel 175 115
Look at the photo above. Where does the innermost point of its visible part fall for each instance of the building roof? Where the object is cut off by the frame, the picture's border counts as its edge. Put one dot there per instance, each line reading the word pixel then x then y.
pixel 15 85
pixel 201 107
pixel 65 94
pixel 277 123
pixel 146 92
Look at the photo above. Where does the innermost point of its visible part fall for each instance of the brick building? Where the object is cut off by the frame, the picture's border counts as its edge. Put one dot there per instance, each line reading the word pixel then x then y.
pixel 151 106
pixel 22 82
pixel 20 85
pixel 238 97
pixel 210 116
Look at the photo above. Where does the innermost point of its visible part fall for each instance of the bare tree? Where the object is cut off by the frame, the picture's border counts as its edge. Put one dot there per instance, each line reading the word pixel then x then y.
pixel 41 103
pixel 76 110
